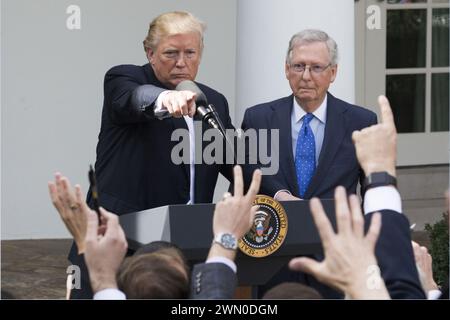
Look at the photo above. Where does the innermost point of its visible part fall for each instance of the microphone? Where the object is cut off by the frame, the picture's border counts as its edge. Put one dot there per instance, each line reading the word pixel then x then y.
pixel 204 111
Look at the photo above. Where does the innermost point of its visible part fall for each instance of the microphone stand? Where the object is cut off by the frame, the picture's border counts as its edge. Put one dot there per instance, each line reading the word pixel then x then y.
pixel 211 117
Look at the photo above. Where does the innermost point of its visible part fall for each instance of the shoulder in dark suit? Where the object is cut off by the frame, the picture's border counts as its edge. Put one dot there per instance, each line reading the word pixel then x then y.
pixel 337 163
pixel 212 281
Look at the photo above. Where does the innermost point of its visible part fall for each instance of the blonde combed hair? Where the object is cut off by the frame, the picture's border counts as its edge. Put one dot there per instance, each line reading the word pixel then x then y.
pixel 170 23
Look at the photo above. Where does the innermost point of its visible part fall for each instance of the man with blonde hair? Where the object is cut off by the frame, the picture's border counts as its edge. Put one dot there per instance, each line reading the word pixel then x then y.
pixel 141 110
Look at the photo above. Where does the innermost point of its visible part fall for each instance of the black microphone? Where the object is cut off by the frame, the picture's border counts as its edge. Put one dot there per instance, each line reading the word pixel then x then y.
pixel 204 112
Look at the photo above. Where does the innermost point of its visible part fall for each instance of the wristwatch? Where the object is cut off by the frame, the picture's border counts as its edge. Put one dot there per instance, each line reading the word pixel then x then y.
pixel 379 179
pixel 226 240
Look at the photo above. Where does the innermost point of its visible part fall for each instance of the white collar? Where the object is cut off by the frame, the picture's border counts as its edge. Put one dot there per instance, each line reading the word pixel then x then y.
pixel 320 113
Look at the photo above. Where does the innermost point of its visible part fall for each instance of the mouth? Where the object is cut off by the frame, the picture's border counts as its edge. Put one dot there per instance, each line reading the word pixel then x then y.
pixel 181 76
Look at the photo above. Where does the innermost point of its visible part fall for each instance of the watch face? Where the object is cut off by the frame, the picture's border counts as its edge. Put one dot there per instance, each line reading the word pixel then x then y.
pixel 228 241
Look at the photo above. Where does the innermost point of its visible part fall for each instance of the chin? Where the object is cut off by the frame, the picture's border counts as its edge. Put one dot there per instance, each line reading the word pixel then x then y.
pixel 306 98
pixel 176 81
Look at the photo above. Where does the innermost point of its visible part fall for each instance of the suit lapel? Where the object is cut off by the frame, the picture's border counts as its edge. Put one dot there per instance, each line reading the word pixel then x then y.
pixel 282 121
pixel 335 129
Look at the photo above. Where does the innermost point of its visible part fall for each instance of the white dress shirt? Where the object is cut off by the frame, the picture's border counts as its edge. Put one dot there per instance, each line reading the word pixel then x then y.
pixel 382 198
pixel 317 125
pixel 162 113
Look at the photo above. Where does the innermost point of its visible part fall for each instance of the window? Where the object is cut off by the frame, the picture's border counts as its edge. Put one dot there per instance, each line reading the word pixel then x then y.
pixel 408 60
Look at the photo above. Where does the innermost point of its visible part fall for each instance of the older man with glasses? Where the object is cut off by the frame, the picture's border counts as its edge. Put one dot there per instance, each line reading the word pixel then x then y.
pixel 316 153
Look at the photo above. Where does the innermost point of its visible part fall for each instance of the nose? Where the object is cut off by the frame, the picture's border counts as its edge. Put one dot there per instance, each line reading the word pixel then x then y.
pixel 181 63
pixel 307 73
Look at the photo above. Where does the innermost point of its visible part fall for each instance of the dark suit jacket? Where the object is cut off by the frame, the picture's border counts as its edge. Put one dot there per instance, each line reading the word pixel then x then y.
pixel 395 256
pixel 134 168
pixel 212 281
pixel 337 163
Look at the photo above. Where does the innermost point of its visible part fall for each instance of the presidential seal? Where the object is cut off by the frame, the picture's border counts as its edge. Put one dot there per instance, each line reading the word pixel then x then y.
pixel 268 231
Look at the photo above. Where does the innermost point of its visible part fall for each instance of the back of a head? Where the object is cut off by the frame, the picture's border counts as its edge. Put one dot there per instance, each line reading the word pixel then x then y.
pixel 155 246
pixel 292 290
pixel 158 275
pixel 171 23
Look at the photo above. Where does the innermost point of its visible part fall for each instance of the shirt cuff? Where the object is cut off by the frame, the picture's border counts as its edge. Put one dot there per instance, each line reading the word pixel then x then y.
pixel 161 111
pixel 382 198
pixel 434 294
pixel 110 294
pixel 282 190
pixel 223 260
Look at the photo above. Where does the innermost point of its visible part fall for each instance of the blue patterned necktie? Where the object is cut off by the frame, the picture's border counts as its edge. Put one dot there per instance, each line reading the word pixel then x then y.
pixel 305 155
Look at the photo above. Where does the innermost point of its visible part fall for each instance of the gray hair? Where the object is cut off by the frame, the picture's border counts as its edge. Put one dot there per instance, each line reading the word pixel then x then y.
pixel 311 36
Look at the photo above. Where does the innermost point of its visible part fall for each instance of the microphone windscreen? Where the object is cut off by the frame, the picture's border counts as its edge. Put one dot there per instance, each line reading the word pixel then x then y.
pixel 189 85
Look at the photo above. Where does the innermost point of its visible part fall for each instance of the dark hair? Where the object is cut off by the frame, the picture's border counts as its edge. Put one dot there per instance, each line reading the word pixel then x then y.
pixel 292 290
pixel 161 245
pixel 155 246
pixel 158 275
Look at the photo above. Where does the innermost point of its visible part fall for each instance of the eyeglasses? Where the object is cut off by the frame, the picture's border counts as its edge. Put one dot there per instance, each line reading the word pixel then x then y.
pixel 315 69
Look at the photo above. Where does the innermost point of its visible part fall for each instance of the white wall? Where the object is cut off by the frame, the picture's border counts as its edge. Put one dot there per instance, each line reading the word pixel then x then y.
pixel 52 85
pixel 51 80
pixel 264 30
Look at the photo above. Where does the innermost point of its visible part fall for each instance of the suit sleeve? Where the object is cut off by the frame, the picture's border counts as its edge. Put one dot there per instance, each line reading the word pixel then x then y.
pixel 128 98
pixel 227 169
pixel 395 256
pixel 212 281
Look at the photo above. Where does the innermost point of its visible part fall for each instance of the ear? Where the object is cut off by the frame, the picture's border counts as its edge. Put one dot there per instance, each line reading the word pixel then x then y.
pixel 286 70
pixel 150 55
pixel 333 73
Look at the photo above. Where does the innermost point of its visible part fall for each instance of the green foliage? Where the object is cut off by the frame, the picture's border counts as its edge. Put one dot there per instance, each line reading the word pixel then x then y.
pixel 439 249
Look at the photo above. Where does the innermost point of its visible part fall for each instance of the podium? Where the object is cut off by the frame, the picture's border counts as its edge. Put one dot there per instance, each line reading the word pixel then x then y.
pixel 190 228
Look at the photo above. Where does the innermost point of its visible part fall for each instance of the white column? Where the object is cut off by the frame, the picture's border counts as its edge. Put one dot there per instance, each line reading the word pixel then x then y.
pixel 264 30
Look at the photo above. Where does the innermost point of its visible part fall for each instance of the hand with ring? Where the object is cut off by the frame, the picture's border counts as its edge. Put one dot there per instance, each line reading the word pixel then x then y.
pixel 226 195
pixel 71 207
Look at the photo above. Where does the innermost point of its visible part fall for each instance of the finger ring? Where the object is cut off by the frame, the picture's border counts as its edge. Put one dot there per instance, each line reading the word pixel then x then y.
pixel 73 206
pixel 226 195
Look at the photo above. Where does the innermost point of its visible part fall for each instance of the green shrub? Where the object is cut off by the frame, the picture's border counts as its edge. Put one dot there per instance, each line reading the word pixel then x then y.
pixel 439 249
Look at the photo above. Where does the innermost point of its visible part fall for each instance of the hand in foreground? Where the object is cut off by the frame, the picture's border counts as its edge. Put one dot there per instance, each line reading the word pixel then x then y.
pixel 71 207
pixel 424 263
pixel 376 146
pixel 350 264
pixel 235 214
pixel 104 252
